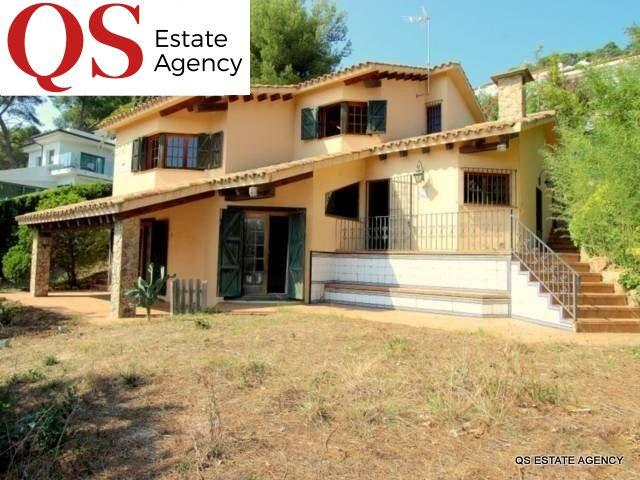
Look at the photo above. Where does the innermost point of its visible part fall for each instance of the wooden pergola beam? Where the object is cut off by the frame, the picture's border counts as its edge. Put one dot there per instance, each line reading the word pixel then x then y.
pixel 262 97
pixel 232 98
pixel 287 96
pixel 247 98
pixel 275 96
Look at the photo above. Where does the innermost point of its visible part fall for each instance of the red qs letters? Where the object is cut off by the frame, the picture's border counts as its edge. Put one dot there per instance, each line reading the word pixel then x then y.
pixel 74 43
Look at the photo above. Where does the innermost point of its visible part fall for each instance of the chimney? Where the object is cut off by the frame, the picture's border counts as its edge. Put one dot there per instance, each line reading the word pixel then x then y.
pixel 512 99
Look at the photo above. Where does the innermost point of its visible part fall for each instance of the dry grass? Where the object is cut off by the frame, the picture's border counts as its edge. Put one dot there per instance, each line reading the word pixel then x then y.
pixel 291 397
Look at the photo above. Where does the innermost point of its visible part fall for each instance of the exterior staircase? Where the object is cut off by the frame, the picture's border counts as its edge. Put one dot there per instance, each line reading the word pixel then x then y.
pixel 600 309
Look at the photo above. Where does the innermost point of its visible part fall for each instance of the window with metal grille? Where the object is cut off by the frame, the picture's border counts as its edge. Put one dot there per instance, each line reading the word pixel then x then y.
pixel 434 118
pixel 487 188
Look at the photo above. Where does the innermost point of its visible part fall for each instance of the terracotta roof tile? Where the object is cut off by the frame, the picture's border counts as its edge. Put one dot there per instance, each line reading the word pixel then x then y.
pixel 308 84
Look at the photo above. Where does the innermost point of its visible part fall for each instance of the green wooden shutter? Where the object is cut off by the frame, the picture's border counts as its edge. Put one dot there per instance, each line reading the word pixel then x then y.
pixel 210 150
pixel 295 261
pixel 204 150
pixel 216 150
pixel 137 157
pixel 377 116
pixel 230 254
pixel 309 123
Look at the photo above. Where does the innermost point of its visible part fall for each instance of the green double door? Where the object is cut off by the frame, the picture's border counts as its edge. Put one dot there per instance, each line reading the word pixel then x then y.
pixel 252 253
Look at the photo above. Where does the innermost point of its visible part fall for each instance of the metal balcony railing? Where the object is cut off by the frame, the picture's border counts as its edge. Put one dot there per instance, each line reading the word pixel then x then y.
pixel 456 231
pixel 490 231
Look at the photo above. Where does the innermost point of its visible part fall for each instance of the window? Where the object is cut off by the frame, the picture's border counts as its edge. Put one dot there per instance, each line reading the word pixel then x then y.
pixel 357 118
pixel 354 118
pixel 330 122
pixel 344 202
pixel 175 151
pixel 50 155
pixel 92 163
pixel 487 188
pixel 198 152
pixel 434 118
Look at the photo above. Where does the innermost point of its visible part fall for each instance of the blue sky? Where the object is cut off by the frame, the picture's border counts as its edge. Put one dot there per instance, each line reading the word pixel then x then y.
pixel 487 37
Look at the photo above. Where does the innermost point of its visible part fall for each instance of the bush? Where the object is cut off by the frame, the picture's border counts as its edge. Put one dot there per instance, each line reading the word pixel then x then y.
pixel 16 264
pixel 630 280
pixel 595 167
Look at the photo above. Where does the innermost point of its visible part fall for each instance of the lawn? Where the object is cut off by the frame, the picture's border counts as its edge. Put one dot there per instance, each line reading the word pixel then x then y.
pixel 286 396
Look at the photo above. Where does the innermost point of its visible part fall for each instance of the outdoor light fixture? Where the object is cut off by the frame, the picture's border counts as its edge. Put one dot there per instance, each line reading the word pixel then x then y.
pixel 502 147
pixel 418 175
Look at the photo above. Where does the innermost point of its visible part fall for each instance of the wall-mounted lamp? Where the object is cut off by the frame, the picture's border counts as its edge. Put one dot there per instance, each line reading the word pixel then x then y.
pixel 418 175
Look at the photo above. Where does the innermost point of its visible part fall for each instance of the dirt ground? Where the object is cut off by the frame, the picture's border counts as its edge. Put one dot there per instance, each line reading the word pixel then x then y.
pixel 292 395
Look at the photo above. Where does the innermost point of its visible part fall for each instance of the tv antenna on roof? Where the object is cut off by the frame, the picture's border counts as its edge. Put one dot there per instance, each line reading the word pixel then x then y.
pixel 424 21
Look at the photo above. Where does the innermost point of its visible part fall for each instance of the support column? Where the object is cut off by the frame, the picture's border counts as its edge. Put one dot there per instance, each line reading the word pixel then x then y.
pixel 40 264
pixel 124 266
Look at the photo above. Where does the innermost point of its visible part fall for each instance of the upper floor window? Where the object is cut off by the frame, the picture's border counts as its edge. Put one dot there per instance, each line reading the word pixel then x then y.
pixel 434 117
pixel 354 118
pixel 487 187
pixel 196 152
pixel 92 163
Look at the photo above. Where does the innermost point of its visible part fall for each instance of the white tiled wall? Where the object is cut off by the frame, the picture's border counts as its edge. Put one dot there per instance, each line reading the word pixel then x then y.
pixel 451 305
pixel 529 303
pixel 457 272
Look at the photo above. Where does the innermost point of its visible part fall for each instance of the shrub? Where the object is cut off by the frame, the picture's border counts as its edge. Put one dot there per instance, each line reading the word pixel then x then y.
pixel 131 379
pixel 34 375
pixel 146 292
pixel 16 264
pixel 202 324
pixel 254 372
pixel 630 280
pixel 50 361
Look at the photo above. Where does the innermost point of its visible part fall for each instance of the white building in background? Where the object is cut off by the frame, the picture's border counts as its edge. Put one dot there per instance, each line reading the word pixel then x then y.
pixel 60 157
pixel 570 73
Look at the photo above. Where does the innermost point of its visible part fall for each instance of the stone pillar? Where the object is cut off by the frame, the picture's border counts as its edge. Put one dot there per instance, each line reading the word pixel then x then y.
pixel 124 266
pixel 40 264
pixel 512 100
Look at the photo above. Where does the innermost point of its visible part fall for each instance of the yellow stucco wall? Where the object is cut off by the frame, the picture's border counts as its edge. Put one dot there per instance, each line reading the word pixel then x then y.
pixel 258 134
pixel 194 227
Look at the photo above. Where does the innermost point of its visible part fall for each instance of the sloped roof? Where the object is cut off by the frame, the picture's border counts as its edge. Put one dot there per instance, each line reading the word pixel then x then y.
pixel 156 103
pixel 123 203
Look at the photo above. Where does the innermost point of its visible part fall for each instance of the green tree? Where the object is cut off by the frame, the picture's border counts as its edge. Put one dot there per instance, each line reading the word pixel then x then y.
pixel 19 138
pixel 86 113
pixel 633 32
pixel 595 167
pixel 16 112
pixel 489 106
pixel 292 41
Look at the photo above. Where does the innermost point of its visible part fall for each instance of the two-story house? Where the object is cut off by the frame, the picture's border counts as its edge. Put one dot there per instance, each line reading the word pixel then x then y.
pixel 60 157
pixel 378 185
